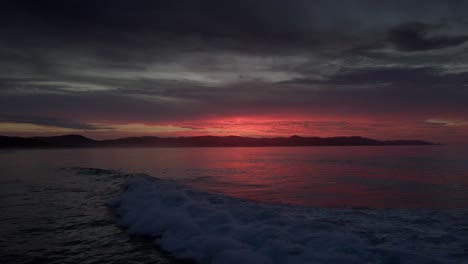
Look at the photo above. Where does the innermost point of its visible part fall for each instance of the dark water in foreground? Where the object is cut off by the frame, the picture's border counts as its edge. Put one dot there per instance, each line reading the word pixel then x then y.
pixel 54 207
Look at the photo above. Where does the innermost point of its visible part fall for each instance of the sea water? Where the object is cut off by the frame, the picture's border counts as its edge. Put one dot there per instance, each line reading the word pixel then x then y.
pixel 403 204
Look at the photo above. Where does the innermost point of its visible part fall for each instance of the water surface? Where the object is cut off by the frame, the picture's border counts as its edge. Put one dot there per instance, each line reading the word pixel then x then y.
pixel 54 202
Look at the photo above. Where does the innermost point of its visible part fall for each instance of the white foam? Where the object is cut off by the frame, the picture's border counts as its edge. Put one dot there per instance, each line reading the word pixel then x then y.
pixel 212 228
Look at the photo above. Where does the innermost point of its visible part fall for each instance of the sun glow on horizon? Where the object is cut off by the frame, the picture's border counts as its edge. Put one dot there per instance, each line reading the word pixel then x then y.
pixel 429 129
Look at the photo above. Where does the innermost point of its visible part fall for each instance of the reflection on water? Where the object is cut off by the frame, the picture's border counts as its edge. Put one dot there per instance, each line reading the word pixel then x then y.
pixel 51 215
pixel 430 177
pixel 406 176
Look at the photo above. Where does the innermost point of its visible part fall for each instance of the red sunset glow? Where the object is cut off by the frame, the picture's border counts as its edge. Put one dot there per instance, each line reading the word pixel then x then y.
pixel 400 78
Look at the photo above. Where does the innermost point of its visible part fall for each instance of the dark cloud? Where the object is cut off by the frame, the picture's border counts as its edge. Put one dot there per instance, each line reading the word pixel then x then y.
pixel 416 36
pixel 48 121
pixel 108 26
pixel 420 92
pixel 73 62
pixel 428 77
pixel 146 24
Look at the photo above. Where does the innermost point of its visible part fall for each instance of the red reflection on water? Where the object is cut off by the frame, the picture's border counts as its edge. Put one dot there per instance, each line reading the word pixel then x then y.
pixel 404 176
pixel 338 176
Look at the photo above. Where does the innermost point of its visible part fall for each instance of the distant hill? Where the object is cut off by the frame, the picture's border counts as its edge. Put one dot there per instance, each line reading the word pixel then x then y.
pixel 78 141
pixel 67 140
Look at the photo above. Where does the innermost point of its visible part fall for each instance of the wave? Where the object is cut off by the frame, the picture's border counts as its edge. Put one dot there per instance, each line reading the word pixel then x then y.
pixel 91 171
pixel 213 228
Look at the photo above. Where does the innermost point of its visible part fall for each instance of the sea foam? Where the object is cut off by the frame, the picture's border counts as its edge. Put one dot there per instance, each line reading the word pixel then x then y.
pixel 213 228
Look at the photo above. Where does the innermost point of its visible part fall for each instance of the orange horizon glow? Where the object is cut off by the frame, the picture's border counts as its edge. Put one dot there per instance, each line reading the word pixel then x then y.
pixel 431 129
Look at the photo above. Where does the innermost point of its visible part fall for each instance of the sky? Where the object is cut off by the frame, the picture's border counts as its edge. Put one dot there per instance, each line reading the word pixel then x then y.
pixel 260 68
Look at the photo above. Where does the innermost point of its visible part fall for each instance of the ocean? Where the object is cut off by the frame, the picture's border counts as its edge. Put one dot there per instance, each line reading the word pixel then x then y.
pixel 380 204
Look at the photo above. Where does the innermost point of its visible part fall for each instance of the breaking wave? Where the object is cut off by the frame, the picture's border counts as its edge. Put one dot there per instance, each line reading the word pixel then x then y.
pixel 213 228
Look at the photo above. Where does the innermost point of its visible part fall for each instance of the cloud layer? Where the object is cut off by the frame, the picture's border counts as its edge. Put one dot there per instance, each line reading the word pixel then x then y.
pixel 96 66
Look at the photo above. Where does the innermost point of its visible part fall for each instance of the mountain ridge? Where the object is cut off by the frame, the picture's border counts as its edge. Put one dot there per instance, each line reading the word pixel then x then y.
pixel 79 141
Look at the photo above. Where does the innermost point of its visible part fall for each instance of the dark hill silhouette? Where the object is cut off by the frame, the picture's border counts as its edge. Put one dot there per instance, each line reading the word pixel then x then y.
pixel 19 142
pixel 78 141
pixel 68 140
